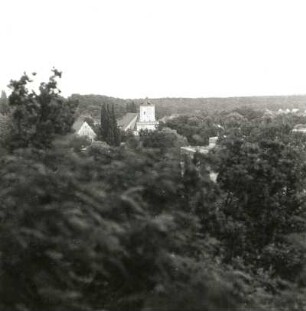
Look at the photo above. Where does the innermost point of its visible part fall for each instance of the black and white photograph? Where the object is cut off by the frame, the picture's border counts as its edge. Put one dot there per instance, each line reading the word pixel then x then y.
pixel 153 155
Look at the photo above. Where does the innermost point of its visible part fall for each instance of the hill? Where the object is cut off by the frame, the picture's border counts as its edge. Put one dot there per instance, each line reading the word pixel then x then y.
pixel 90 104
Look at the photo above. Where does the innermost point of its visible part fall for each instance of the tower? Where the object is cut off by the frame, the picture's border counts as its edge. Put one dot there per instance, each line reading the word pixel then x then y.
pixel 147 112
pixel 147 119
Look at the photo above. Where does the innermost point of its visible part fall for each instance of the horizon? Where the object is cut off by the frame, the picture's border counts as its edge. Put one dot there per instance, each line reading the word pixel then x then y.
pixel 167 97
pixel 158 49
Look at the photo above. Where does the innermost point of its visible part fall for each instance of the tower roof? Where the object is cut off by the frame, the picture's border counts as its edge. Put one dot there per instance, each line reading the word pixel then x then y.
pixel 146 102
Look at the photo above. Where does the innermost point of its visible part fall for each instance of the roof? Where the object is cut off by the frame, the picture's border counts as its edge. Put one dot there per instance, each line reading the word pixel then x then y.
pixel 126 119
pixel 201 149
pixel 300 126
pixel 77 124
pixel 146 103
pixel 194 149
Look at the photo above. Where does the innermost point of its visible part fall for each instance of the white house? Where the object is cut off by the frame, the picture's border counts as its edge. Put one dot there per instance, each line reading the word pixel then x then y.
pixel 82 128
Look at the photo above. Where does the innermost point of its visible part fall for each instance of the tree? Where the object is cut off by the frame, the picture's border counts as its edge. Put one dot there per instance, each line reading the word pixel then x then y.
pixel 38 118
pixel 122 228
pixel 4 107
pixel 131 107
pixel 262 178
pixel 110 132
pixel 108 231
pixel 164 139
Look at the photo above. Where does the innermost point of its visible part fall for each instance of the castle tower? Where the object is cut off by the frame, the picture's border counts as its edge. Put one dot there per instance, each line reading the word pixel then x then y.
pixel 147 119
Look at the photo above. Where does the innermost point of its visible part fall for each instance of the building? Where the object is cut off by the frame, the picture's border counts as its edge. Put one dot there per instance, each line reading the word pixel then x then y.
pixel 82 128
pixel 144 120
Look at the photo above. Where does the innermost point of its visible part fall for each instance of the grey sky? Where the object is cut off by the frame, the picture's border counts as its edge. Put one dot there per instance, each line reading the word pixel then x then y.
pixel 158 48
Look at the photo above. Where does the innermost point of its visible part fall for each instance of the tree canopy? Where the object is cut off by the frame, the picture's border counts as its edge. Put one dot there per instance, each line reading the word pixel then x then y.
pixel 137 226
pixel 38 117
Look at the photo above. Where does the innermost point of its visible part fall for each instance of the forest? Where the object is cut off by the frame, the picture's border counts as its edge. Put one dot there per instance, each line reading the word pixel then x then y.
pixel 91 104
pixel 120 225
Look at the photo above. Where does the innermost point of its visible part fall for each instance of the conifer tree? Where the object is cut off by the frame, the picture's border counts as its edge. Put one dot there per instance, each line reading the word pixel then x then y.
pixel 116 130
pixel 109 128
pixel 4 107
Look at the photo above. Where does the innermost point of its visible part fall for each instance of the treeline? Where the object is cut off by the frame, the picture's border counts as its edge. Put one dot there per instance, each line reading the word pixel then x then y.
pixel 130 228
pixel 90 104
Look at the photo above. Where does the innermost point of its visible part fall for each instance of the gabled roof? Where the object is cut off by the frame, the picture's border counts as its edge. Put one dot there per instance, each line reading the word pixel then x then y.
pixel 126 119
pixel 77 124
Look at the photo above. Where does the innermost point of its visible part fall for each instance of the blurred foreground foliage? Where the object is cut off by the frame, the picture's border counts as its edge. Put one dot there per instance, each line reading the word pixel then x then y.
pixel 124 228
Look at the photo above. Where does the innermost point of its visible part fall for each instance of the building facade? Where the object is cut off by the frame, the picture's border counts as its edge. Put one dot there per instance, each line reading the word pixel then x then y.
pixel 146 120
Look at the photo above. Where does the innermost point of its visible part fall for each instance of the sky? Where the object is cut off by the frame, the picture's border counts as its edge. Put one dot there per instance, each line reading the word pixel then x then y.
pixel 157 48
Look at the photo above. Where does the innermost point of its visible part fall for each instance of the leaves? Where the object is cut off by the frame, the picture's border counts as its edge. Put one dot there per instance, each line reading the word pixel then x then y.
pixel 38 118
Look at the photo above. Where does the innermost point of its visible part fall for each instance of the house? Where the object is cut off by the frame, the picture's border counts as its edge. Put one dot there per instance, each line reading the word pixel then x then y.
pixel 82 128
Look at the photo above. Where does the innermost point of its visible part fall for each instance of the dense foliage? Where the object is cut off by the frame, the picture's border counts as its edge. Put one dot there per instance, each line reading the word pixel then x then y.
pixel 131 227
pixel 38 118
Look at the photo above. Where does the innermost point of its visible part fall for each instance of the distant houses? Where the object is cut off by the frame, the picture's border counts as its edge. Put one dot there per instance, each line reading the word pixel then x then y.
pixel 293 111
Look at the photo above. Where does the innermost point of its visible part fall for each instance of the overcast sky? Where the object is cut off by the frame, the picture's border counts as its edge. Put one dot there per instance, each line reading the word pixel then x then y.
pixel 158 48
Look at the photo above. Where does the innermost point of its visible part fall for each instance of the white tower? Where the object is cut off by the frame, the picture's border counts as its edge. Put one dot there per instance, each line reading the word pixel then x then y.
pixel 147 113
pixel 147 119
